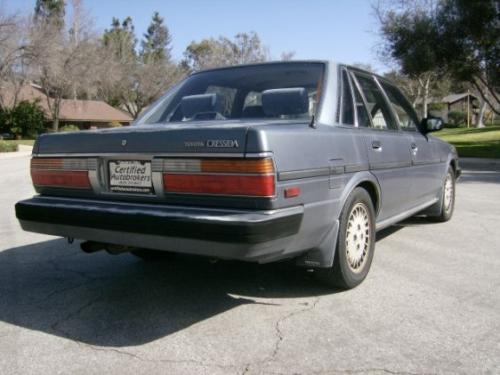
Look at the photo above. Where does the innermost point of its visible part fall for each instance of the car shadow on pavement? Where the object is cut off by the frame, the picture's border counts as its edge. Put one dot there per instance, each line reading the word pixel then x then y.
pixel 106 300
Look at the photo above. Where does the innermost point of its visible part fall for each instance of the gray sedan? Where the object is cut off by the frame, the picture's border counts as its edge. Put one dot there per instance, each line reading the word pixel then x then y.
pixel 303 160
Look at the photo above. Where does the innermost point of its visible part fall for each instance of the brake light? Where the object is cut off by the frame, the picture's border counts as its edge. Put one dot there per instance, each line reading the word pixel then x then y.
pixel 60 172
pixel 242 177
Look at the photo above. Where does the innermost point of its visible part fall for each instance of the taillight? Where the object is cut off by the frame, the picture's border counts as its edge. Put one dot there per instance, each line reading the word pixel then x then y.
pixel 60 172
pixel 243 177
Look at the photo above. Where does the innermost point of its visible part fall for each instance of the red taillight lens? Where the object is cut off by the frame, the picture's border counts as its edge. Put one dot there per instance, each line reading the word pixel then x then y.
pixel 243 177
pixel 74 179
pixel 261 186
pixel 55 172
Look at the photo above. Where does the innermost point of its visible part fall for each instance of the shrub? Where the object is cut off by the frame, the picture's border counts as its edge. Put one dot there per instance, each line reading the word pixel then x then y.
pixel 69 128
pixel 114 124
pixel 7 146
pixel 436 106
pixel 456 118
pixel 26 119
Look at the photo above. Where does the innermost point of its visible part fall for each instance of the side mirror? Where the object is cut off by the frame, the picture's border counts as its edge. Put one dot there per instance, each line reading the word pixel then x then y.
pixel 432 124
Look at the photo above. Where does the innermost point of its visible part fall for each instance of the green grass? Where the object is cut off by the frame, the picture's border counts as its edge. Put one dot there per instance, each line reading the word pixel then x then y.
pixel 26 142
pixel 472 142
pixel 6 146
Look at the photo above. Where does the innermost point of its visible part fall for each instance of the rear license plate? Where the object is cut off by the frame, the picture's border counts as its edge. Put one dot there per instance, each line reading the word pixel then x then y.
pixel 130 176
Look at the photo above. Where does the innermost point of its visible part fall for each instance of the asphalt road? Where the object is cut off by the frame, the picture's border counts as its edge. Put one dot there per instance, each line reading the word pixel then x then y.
pixel 431 303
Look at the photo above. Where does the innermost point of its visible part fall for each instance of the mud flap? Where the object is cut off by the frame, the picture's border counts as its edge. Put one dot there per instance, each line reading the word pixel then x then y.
pixel 322 256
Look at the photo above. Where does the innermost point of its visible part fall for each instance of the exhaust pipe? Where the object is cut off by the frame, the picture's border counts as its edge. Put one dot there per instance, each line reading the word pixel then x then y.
pixel 92 247
pixel 118 249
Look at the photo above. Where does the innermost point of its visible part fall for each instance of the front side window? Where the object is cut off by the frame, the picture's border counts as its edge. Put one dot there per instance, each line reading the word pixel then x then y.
pixel 363 117
pixel 406 115
pixel 277 91
pixel 377 106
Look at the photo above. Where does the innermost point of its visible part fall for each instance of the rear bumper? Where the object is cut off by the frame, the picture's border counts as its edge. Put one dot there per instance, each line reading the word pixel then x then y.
pixel 216 232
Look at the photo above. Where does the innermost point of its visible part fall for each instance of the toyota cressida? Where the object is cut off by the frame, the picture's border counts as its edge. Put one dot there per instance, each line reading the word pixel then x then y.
pixel 263 162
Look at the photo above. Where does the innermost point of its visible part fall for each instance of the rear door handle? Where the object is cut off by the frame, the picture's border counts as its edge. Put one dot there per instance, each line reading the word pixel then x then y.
pixel 376 145
pixel 414 147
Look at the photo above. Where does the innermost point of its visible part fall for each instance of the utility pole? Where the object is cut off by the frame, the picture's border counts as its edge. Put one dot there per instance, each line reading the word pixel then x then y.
pixel 468 108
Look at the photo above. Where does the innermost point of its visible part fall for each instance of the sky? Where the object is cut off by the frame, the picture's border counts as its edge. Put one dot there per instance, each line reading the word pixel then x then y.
pixel 341 30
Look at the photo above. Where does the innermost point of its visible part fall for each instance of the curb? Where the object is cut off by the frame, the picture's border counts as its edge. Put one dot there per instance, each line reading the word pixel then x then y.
pixel 479 161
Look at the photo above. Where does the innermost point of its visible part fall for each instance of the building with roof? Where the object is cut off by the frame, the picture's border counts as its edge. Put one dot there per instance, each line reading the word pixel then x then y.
pixel 463 102
pixel 85 114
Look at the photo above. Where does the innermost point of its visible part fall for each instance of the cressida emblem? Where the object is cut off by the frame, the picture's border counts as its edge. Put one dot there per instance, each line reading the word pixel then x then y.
pixel 213 143
pixel 124 142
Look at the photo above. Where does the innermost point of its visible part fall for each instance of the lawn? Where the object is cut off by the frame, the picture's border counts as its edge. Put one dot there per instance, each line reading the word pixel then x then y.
pixel 12 145
pixel 472 142
pixel 27 142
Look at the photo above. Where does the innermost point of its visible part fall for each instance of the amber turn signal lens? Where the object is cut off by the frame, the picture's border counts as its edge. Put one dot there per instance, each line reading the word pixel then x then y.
pixel 261 166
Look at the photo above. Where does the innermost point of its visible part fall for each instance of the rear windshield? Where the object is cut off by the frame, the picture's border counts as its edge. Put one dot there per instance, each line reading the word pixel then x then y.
pixel 279 91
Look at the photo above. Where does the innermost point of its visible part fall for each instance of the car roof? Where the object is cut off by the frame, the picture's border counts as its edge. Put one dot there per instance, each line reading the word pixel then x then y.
pixel 326 62
pixel 263 64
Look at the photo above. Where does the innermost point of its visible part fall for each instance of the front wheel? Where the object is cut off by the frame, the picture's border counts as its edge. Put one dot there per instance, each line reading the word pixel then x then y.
pixel 355 244
pixel 447 202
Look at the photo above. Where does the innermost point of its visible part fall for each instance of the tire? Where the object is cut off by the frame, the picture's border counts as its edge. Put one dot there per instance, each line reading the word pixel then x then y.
pixel 447 201
pixel 151 255
pixel 355 243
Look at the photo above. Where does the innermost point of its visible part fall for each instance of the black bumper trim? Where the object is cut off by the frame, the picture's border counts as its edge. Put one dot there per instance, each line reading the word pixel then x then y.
pixel 221 226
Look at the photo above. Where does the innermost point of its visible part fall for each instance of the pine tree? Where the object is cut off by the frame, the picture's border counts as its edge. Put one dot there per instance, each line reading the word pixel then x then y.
pixel 121 38
pixel 157 40
pixel 50 11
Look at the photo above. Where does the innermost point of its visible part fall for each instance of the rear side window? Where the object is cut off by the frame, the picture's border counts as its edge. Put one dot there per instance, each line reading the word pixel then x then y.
pixel 377 106
pixel 406 115
pixel 347 103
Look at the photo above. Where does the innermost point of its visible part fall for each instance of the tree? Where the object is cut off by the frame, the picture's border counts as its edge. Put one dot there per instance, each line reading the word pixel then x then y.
pixel 470 35
pixel 24 119
pixel 364 66
pixel 120 39
pixel 118 47
pixel 157 40
pixel 287 55
pixel 12 57
pixel 50 11
pixel 208 53
pixel 64 65
pixel 133 81
pixel 409 41
pixel 456 37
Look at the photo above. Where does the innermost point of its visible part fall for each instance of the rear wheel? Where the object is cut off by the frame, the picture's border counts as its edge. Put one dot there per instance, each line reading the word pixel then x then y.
pixel 355 245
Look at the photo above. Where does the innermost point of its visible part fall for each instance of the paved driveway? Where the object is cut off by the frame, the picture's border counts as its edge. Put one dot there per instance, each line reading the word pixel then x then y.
pixel 431 303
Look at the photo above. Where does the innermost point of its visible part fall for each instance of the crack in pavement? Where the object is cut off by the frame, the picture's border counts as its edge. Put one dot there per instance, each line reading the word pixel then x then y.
pixel 151 360
pixel 279 332
pixel 280 335
pixel 54 326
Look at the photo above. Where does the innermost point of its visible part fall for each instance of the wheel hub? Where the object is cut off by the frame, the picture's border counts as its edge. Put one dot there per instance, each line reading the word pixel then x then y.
pixel 358 237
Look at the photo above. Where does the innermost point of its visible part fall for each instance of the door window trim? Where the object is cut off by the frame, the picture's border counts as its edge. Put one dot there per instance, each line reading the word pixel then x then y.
pixel 395 114
pixel 363 99
pixel 385 98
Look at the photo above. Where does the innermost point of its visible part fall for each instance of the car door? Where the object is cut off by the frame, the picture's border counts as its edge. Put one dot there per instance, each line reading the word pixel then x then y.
pixel 425 170
pixel 387 147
